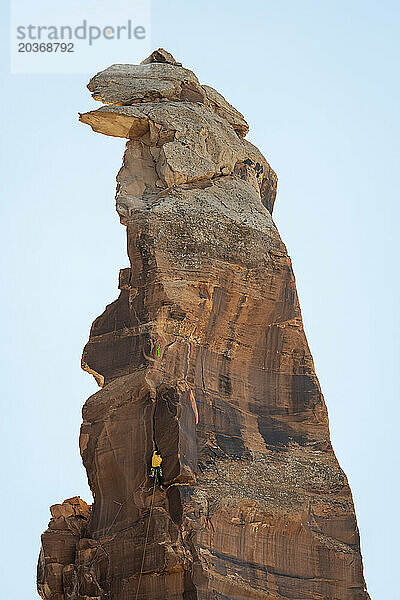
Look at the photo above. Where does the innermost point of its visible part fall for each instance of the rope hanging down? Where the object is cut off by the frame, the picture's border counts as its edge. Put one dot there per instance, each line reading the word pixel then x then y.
pixel 89 566
pixel 145 541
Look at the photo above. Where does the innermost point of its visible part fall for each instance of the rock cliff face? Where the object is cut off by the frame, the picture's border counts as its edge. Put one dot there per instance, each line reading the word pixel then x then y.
pixel 204 357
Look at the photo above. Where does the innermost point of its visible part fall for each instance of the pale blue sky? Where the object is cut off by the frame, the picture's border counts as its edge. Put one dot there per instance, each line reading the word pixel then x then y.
pixel 319 85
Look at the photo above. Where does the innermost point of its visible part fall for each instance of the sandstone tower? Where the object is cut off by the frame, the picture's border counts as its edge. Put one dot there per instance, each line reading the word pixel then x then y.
pixel 204 357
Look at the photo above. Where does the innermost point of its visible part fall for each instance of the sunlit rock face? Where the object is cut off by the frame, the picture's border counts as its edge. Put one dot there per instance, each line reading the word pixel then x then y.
pixel 204 357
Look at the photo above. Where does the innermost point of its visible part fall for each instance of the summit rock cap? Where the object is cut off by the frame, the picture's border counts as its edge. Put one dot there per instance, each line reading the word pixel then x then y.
pixel 161 56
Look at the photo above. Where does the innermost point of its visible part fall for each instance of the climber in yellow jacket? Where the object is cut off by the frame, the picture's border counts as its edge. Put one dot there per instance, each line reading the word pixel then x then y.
pixel 156 470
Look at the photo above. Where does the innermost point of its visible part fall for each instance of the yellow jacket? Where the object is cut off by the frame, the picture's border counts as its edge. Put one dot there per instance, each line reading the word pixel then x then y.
pixel 156 460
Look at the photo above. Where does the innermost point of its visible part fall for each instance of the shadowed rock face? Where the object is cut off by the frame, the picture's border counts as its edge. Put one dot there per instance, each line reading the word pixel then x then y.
pixel 204 357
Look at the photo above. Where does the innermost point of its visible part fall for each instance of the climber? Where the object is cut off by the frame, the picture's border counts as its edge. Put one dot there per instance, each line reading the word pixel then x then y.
pixel 156 470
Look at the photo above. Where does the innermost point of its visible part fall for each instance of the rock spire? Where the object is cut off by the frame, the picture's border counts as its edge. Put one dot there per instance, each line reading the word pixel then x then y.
pixel 203 356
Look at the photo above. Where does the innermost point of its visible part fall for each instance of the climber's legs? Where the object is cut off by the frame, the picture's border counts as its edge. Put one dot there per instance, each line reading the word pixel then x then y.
pixel 156 472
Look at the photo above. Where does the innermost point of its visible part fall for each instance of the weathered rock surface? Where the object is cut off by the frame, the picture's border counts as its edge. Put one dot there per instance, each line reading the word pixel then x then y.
pixel 204 357
pixel 56 574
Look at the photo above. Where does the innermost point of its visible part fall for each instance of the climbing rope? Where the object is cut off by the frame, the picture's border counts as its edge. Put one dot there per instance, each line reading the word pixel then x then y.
pixel 89 566
pixel 100 546
pixel 145 541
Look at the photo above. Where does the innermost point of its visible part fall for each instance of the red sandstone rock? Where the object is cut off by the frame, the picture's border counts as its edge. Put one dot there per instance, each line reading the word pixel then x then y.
pixel 204 357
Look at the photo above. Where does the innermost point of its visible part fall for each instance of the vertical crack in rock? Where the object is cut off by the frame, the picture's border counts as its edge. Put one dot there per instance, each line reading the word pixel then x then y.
pixel 204 357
